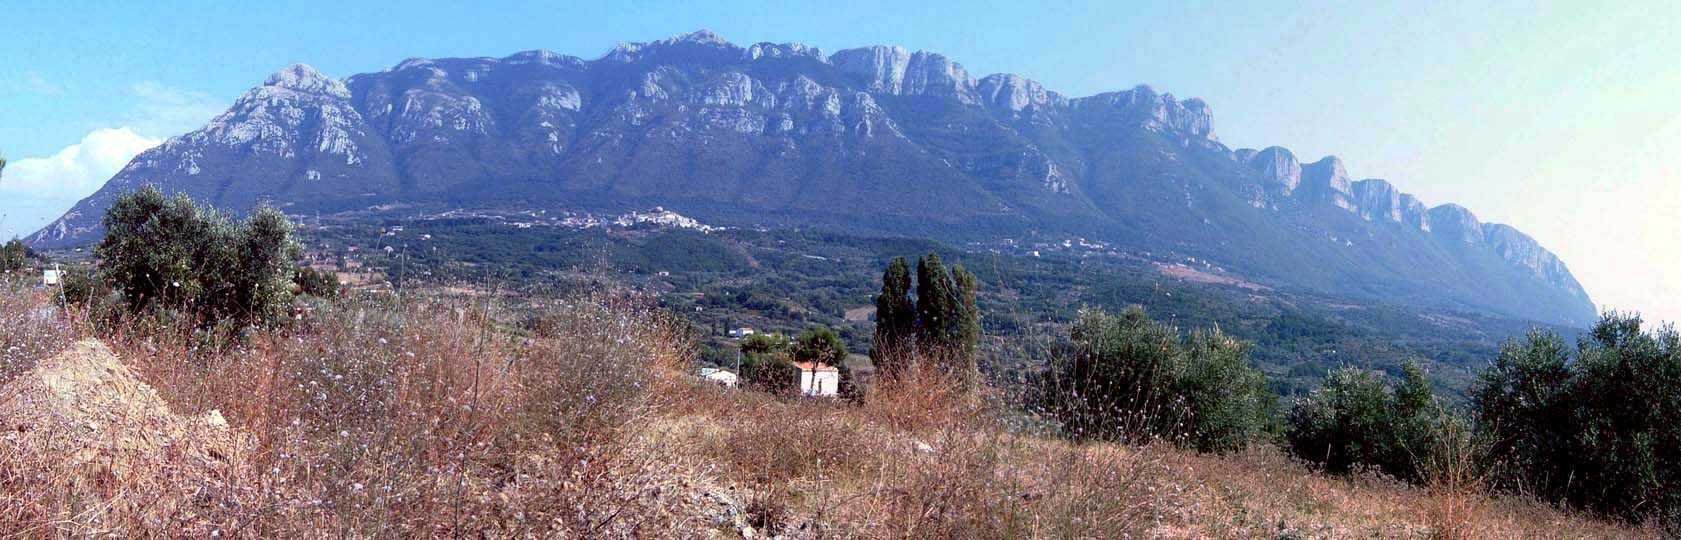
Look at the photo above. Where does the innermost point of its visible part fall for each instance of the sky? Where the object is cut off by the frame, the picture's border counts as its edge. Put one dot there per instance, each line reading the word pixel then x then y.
pixel 1562 119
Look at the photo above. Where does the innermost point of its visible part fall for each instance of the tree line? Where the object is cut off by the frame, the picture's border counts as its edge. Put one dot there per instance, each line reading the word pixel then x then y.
pixel 1594 426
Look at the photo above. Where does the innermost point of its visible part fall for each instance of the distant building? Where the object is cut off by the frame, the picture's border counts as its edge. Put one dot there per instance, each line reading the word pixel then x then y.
pixel 51 278
pixel 720 377
pixel 818 380
pixel 741 332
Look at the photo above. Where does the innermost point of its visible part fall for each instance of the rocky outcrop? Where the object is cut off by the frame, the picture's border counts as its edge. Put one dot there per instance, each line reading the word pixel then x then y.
pixel 1414 213
pixel 1014 93
pixel 1456 222
pixel 897 71
pixel 1521 250
pixel 1142 106
pixel 785 51
pixel 1278 168
pixel 1377 199
pixel 1326 182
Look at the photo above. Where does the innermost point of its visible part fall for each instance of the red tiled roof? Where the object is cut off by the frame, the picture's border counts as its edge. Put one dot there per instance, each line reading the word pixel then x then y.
pixel 814 366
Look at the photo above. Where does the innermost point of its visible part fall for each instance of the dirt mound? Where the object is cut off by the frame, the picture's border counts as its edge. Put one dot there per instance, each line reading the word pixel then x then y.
pixel 86 413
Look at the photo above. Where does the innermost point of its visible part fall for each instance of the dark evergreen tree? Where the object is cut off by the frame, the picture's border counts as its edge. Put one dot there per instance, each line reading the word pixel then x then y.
pixel 820 345
pixel 936 308
pixel 968 320
pixel 893 346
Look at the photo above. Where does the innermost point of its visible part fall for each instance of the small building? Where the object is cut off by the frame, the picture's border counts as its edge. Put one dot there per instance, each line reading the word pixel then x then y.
pixel 818 379
pixel 741 332
pixel 720 377
pixel 51 278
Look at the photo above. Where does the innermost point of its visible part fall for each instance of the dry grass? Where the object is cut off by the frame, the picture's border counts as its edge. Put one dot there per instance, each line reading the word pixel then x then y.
pixel 427 419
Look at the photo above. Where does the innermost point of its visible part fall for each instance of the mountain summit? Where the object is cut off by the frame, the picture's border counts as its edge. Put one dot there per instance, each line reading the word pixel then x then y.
pixel 878 139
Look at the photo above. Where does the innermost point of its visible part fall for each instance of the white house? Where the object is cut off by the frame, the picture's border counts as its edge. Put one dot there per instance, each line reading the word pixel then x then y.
pixel 818 380
pixel 720 377
pixel 741 332
pixel 50 278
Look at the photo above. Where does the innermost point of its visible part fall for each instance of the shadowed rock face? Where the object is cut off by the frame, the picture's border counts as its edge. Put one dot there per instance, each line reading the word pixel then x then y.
pixel 1326 182
pixel 878 139
pixel 1523 251
pixel 1377 199
pixel 1278 167
pixel 1414 213
pixel 1456 222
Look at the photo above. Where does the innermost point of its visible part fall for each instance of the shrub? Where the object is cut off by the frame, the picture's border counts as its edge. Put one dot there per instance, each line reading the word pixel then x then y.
pixel 1601 430
pixel 1359 419
pixel 14 256
pixel 317 283
pixel 1130 378
pixel 766 364
pixel 169 254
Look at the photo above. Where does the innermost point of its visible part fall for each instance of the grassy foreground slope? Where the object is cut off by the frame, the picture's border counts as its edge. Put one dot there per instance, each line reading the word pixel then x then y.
pixel 427 417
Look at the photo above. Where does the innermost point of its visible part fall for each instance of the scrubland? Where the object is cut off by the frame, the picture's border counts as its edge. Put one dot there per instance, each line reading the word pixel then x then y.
pixel 426 416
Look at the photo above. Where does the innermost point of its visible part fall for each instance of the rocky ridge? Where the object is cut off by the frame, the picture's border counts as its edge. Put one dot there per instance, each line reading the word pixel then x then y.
pixel 772 133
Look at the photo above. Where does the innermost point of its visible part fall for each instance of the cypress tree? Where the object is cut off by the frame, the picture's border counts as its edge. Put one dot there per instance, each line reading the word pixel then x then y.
pixel 895 320
pixel 936 307
pixel 968 318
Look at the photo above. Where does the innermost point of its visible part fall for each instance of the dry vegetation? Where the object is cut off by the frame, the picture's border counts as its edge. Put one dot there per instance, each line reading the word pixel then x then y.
pixel 424 418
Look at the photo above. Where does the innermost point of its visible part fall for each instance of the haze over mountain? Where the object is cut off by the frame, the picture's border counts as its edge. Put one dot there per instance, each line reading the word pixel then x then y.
pixel 876 139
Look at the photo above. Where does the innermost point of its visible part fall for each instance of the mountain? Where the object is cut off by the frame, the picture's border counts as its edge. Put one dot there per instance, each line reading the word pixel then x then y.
pixel 876 139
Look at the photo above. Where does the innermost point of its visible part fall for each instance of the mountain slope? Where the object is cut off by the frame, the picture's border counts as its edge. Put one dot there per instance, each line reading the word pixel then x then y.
pixel 874 139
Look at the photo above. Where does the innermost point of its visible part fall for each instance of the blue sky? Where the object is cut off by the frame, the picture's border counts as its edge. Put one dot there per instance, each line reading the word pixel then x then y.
pixel 1561 119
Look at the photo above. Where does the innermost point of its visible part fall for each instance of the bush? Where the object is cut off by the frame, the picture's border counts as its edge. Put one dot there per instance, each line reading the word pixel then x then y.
pixel 169 254
pixel 1130 378
pixel 766 364
pixel 14 256
pixel 1358 419
pixel 312 282
pixel 1600 431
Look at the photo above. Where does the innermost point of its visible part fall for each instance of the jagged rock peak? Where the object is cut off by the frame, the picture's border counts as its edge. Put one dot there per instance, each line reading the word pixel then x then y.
pixel 1522 250
pixel 897 71
pixel 633 51
pixel 1456 221
pixel 785 50
pixel 1279 167
pixel 1414 213
pixel 1157 111
pixel 1015 93
pixel 702 36
pixel 303 78
pixel 544 57
pixel 1326 181
pixel 1378 200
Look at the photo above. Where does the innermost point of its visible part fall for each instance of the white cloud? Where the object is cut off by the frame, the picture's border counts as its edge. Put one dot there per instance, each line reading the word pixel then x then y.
pixel 167 111
pixel 36 189
pixel 78 169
